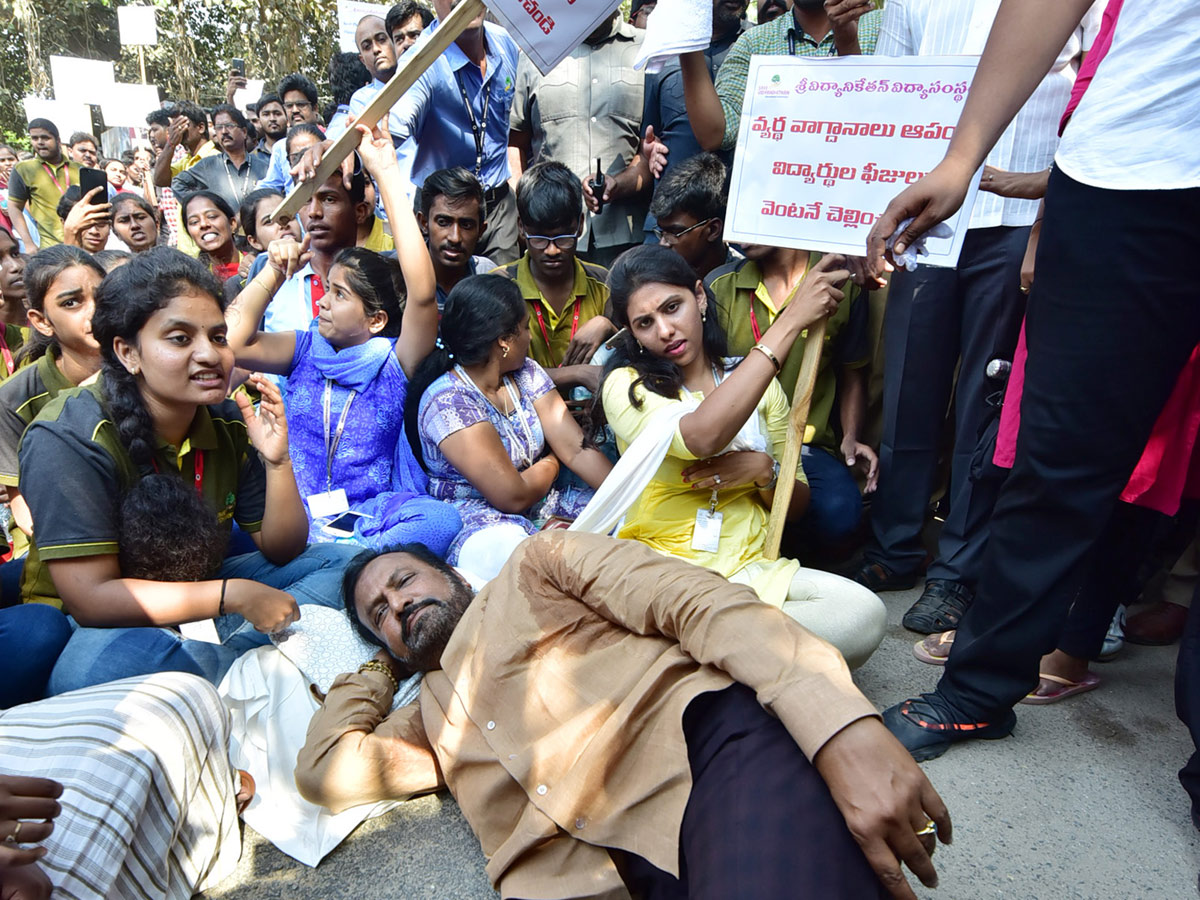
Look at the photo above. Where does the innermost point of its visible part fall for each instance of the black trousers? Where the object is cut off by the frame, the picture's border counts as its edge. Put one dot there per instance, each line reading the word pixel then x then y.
pixel 760 823
pixel 1113 317
pixel 1187 701
pixel 935 317
pixel 1111 578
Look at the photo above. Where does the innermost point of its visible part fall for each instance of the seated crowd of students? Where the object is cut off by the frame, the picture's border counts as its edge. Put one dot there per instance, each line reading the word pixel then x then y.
pixel 186 439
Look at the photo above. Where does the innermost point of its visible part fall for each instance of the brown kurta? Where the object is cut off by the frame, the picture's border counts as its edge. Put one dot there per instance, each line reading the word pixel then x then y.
pixel 557 716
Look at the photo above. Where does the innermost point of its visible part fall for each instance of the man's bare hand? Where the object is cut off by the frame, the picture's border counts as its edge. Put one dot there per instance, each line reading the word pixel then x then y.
pixel 236 82
pixel 655 152
pixel 885 799
pixel 846 13
pixel 305 168
pixel 590 200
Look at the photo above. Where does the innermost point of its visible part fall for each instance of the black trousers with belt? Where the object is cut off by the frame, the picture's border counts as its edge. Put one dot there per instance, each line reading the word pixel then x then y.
pixel 760 823
pixel 1114 315
pixel 934 318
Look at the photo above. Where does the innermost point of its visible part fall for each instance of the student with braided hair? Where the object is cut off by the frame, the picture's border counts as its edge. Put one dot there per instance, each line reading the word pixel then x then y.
pixel 160 409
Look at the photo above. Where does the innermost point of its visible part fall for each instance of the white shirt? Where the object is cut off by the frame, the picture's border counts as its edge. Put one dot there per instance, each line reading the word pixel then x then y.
pixel 1136 127
pixel 944 27
pixel 291 307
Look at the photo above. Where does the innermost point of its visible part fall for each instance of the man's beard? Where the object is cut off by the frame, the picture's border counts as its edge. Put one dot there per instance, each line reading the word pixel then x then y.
pixel 433 632
pixel 809 5
pixel 724 20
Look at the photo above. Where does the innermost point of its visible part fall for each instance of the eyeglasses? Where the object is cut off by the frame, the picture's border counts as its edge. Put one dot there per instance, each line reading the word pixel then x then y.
pixel 226 126
pixel 297 105
pixel 561 241
pixel 672 237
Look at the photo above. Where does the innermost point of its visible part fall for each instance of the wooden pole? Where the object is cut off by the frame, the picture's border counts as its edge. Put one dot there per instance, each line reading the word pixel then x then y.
pixel 142 61
pixel 806 380
pixel 412 65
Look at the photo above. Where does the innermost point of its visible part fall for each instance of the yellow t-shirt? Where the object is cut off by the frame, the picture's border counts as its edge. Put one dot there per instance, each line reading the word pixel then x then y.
pixel 664 516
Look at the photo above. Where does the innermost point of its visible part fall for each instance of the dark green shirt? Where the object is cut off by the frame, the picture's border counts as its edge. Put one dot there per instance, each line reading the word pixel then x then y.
pixel 739 291
pixel 21 398
pixel 75 473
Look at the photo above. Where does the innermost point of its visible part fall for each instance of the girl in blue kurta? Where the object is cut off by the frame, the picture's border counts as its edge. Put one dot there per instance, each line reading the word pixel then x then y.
pixel 347 375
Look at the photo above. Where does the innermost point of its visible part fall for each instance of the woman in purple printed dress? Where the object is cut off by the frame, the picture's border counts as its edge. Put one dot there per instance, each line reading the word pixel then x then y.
pixel 490 429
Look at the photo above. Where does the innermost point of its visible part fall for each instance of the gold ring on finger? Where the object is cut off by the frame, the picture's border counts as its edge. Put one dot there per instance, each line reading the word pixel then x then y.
pixel 12 838
pixel 930 828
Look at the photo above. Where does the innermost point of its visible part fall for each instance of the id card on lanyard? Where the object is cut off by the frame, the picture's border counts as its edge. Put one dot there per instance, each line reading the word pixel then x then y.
pixel 331 502
pixel 478 128
pixel 706 534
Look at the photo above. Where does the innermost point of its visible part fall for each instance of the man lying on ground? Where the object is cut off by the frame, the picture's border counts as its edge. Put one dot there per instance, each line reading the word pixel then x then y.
pixel 604 739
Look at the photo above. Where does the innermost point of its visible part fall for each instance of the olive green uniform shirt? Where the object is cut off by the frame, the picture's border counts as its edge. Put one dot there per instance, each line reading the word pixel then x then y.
pixel 739 290
pixel 590 293
pixel 41 186
pixel 75 472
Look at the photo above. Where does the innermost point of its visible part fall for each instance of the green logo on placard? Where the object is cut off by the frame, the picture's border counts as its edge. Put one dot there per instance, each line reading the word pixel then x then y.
pixel 774 79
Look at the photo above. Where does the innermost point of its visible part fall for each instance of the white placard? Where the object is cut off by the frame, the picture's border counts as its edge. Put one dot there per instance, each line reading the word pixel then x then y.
pixel 128 104
pixel 137 25
pixel 66 116
pixel 825 144
pixel 242 97
pixel 548 30
pixel 81 80
pixel 350 13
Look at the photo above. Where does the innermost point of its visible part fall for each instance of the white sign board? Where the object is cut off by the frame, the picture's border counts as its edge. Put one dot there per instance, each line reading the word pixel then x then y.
pixel 242 97
pixel 128 105
pixel 137 25
pixel 547 30
pixel 81 80
pixel 825 144
pixel 350 13
pixel 68 117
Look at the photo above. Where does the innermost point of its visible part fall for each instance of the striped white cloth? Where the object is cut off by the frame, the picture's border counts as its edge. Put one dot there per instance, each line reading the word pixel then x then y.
pixel 940 28
pixel 148 806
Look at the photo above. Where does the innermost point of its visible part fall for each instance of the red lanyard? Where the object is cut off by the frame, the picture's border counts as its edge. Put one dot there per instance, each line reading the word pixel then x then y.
pixel 537 307
pixel 9 368
pixel 316 290
pixel 754 323
pixel 197 468
pixel 66 174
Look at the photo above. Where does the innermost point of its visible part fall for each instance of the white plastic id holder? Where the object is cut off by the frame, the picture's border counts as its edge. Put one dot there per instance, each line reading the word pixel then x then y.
pixel 205 630
pixel 329 503
pixel 706 535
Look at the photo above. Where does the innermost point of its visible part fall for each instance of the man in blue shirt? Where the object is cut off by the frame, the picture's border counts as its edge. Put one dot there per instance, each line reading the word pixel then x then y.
pixel 457 113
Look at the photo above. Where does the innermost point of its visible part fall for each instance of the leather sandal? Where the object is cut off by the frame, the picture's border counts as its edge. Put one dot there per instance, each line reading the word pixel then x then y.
pixel 877 577
pixel 940 607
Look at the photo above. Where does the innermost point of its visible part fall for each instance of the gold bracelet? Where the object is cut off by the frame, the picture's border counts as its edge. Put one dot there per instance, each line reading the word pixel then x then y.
pixel 766 351
pixel 375 665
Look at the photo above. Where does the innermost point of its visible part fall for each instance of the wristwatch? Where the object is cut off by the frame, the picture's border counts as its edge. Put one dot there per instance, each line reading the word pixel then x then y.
pixel 774 477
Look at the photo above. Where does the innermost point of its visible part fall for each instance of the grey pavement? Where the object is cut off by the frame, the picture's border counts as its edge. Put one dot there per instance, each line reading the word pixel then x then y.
pixel 1081 802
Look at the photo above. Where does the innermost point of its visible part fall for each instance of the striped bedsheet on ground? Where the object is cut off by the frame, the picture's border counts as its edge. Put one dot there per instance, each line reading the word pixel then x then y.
pixel 148 806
